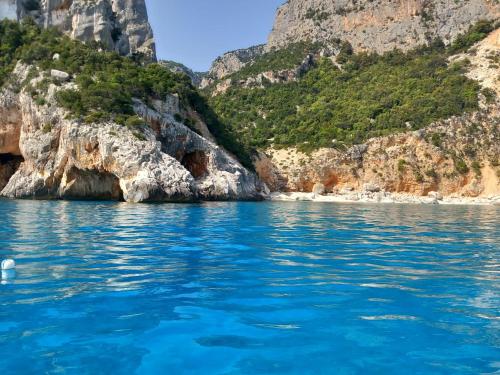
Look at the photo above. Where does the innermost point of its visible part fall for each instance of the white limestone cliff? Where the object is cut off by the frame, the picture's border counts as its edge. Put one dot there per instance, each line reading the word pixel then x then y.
pixel 121 25
pixel 62 158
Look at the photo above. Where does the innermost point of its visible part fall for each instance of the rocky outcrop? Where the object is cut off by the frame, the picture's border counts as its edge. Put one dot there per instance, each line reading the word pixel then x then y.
pixel 121 25
pixel 459 156
pixel 175 67
pixel 378 25
pixel 230 63
pixel 268 77
pixel 216 174
pixel 63 158
pixel 368 25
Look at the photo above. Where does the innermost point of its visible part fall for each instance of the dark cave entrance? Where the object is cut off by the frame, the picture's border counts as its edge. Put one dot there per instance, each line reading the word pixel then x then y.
pixel 9 164
pixel 196 163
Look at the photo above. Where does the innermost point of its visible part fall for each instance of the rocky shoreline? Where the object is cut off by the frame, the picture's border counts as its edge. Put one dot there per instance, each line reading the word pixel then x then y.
pixel 384 197
pixel 47 154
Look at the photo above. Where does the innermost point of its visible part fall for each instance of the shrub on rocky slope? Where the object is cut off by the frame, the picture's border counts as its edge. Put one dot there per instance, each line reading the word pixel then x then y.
pixel 106 83
pixel 370 95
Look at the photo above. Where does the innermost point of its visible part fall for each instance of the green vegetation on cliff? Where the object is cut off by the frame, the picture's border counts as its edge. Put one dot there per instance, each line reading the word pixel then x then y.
pixel 106 82
pixel 281 59
pixel 370 95
pixel 476 33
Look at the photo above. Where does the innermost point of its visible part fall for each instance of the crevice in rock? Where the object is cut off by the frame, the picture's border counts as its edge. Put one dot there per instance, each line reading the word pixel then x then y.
pixel 80 184
pixel 196 163
pixel 9 164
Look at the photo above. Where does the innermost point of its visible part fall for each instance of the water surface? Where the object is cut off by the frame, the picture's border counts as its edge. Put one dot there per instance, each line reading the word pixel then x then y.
pixel 249 288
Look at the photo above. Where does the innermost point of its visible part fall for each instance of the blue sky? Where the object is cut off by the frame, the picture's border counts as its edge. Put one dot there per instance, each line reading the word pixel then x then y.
pixel 195 32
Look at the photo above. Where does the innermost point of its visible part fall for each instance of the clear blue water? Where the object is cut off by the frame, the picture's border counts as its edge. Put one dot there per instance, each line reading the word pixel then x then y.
pixel 249 288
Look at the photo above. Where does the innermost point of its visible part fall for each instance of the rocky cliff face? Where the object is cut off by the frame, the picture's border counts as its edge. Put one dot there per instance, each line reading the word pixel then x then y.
pixel 377 25
pixel 231 62
pixel 368 25
pixel 46 155
pixel 459 156
pixel 121 25
pixel 455 157
pixel 175 67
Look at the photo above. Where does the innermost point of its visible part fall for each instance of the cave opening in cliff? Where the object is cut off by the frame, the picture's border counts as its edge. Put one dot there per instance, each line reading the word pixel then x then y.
pixel 91 184
pixel 196 163
pixel 9 164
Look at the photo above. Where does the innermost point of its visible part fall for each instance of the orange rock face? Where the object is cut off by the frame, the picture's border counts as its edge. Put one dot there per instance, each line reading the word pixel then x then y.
pixel 458 156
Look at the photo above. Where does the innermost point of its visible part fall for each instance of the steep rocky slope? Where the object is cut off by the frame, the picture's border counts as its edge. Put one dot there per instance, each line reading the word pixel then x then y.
pixel 379 25
pixel 458 156
pixel 46 154
pixel 368 25
pixel 175 67
pixel 80 123
pixel 230 63
pixel 121 25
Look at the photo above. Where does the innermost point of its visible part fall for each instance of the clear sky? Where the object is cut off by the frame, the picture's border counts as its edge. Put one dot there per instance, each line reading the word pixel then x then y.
pixel 195 32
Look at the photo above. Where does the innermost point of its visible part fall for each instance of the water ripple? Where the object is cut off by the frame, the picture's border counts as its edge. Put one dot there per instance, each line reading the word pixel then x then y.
pixel 247 288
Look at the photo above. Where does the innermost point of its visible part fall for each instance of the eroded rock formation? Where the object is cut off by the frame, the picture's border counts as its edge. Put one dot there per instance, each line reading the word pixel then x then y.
pixel 121 25
pixel 65 158
pixel 231 62
pixel 459 156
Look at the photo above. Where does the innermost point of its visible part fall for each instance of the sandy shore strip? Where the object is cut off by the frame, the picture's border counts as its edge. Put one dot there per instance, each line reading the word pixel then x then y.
pixel 384 197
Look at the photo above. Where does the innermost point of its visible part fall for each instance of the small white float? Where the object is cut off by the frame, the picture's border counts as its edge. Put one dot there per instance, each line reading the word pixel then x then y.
pixel 8 264
pixel 8 269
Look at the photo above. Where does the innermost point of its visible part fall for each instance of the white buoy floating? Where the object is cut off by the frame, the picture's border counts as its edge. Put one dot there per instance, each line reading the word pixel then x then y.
pixel 8 264
pixel 8 269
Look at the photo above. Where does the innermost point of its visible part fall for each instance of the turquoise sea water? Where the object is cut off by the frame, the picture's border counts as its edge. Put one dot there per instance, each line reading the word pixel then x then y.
pixel 249 288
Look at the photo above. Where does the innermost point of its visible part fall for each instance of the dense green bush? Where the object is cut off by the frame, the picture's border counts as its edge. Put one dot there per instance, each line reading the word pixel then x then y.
pixel 475 33
pixel 461 166
pixel 106 82
pixel 371 96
